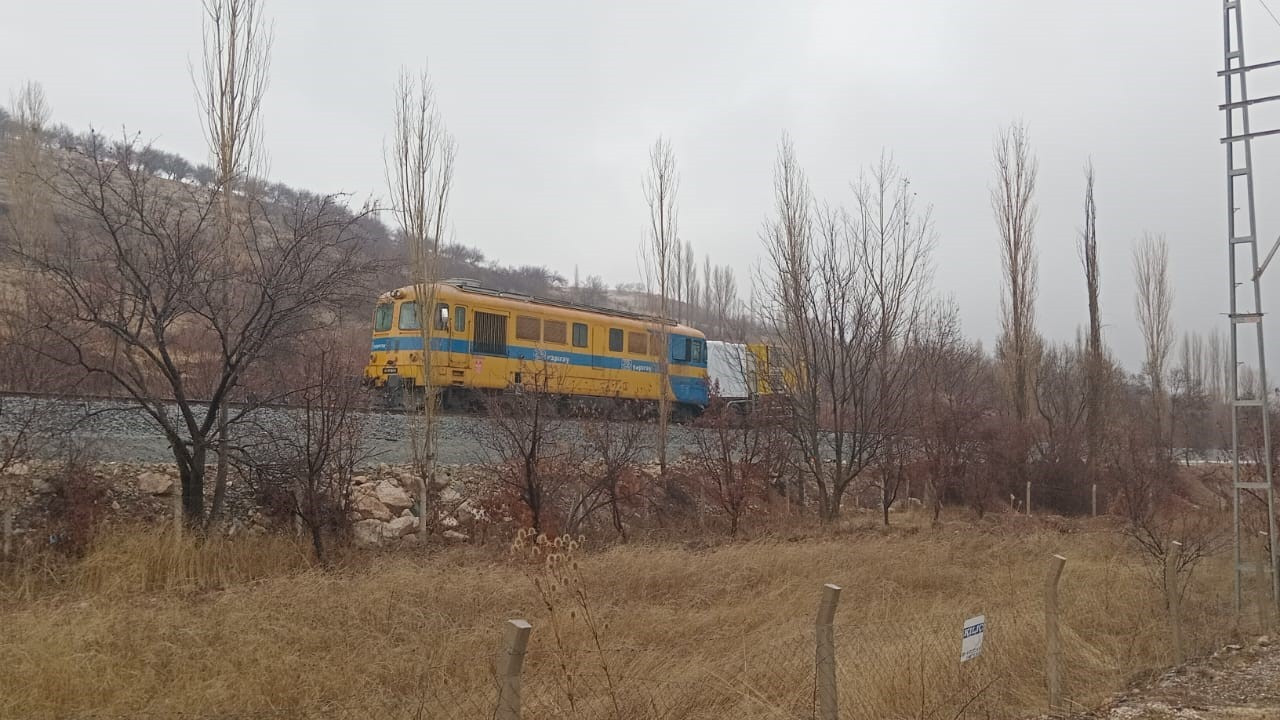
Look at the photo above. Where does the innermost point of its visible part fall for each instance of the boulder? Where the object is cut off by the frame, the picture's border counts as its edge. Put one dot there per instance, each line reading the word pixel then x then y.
pixel 17 469
pixel 393 497
pixel 359 479
pixel 40 486
pixel 449 521
pixel 455 536
pixel 367 533
pixel 450 496
pixel 367 507
pixel 406 513
pixel 400 527
pixel 154 483
pixel 410 539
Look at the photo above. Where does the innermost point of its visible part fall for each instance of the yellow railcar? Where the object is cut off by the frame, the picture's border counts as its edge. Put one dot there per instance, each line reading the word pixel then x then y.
pixel 484 341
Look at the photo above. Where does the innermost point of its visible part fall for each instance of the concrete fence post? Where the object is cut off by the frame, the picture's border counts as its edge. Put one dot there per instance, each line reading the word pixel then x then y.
pixel 1094 502
pixel 1174 600
pixel 828 705
pixel 1028 498
pixel 515 638
pixel 1053 643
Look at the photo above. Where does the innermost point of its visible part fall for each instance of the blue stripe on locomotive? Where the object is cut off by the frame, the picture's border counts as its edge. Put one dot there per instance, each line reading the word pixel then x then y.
pixel 690 390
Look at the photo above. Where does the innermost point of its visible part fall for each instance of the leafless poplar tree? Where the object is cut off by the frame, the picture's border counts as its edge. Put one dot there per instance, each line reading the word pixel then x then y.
pixel 690 275
pixel 1095 393
pixel 952 397
pixel 661 251
pixel 722 296
pixel 237 61
pixel 27 160
pixel 1013 201
pixel 788 237
pixel 419 171
pixel 1216 365
pixel 1153 302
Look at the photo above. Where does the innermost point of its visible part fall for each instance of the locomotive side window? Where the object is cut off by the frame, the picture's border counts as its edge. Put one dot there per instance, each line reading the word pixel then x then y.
pixel 615 340
pixel 528 328
pixel 459 318
pixel 554 331
pixel 637 343
pixel 382 316
pixel 442 316
pixel 490 334
pixel 409 316
pixel 699 351
pixel 579 334
pixel 680 348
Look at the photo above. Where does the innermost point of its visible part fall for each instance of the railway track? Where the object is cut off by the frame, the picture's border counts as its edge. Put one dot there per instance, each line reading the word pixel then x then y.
pixel 116 429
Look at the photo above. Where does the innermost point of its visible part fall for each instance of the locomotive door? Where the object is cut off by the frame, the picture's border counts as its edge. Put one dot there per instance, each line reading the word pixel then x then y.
pixel 457 337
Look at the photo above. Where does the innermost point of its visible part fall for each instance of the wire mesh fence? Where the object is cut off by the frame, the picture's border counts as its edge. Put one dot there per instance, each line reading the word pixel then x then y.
pixel 886 665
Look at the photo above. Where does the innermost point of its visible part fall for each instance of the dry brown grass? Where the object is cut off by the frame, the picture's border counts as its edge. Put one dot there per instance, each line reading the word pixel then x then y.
pixel 723 632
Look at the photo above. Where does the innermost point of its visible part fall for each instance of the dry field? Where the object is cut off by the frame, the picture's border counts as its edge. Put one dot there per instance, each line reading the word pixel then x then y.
pixel 145 628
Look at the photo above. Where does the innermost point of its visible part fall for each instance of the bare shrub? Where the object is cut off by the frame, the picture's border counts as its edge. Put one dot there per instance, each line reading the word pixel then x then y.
pixel 740 454
pixel 77 508
pixel 304 467
pixel 524 437
pixel 615 444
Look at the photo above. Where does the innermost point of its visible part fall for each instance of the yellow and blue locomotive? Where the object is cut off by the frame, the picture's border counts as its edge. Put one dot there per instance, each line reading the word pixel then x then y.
pixel 486 341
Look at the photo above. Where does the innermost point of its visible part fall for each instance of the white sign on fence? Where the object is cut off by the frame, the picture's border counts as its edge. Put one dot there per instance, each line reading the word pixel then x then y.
pixel 971 638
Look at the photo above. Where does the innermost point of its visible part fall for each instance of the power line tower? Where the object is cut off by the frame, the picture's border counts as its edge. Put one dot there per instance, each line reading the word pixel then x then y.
pixel 1246 297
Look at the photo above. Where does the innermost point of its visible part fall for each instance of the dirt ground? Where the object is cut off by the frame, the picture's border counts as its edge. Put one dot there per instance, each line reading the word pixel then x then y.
pixel 1239 682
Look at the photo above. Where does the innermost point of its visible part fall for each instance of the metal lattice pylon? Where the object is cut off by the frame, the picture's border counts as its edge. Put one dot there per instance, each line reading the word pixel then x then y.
pixel 1246 295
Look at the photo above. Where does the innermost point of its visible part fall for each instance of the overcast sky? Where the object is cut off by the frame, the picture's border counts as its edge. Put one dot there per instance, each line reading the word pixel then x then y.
pixel 555 104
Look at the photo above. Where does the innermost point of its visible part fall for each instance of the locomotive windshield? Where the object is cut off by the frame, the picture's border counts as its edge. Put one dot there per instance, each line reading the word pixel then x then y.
pixel 382 317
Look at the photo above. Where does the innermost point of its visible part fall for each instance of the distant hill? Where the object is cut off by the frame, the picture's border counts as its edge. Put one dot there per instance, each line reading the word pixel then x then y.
pixel 458 260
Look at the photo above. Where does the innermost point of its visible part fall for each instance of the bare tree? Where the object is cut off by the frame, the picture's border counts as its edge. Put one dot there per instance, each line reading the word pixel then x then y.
pixel 661 250
pixel 1013 201
pixel 1062 397
pixel 1095 392
pixel 1190 404
pixel 140 268
pixel 237 60
pixel 419 171
pixel 1153 301
pixel 846 296
pixel 953 398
